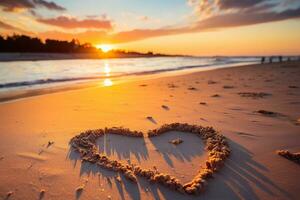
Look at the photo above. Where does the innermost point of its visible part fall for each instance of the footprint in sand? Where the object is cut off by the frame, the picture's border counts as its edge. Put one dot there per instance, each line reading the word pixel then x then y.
pixel 210 82
pixel 151 119
pixel 215 95
pixel 228 87
pixel 254 95
pixel 268 113
pixel 192 88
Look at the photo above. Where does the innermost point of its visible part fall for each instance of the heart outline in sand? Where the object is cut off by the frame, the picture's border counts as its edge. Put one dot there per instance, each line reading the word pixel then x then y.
pixel 216 145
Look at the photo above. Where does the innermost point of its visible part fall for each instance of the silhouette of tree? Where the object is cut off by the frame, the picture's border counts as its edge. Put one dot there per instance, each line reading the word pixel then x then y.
pixel 23 43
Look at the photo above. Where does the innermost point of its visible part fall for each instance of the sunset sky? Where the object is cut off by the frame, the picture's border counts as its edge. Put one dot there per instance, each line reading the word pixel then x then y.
pixel 195 27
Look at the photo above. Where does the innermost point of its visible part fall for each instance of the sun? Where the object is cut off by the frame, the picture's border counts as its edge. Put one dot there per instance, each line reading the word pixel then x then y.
pixel 104 47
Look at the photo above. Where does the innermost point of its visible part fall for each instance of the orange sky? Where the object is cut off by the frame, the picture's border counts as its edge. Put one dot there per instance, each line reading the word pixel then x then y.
pixel 194 27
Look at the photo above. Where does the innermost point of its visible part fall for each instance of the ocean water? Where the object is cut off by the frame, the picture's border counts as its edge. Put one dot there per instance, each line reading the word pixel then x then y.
pixel 18 75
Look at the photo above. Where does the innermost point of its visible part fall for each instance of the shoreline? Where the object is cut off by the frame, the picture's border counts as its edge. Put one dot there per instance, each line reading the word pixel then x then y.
pixel 7 96
pixel 11 57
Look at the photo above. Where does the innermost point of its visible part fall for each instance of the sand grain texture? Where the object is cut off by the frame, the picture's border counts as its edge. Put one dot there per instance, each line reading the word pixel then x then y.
pixel 253 170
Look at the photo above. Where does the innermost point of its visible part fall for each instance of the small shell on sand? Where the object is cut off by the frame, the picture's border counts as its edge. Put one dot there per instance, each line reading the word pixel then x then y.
pixel 9 193
pixel 42 193
pixel 79 189
pixel 203 103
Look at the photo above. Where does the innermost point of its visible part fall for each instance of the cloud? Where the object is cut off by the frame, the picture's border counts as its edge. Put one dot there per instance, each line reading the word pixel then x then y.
pixel 72 22
pixel 6 26
pixel 246 18
pixel 225 20
pixel 15 5
pixel 238 4
pixel 14 29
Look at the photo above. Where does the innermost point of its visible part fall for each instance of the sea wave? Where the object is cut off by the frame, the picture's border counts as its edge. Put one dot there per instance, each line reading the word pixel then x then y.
pixel 34 73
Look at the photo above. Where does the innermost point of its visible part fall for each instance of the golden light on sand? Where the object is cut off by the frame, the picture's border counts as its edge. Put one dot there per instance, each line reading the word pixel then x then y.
pixel 104 47
pixel 107 82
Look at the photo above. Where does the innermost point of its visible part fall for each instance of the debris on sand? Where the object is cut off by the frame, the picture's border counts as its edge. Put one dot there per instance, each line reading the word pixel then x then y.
pixel 171 85
pixel 79 190
pixel 203 103
pixel 215 95
pixel 267 113
pixel 165 107
pixel 42 193
pixel 291 156
pixel 216 145
pixel 143 85
pixel 151 119
pixel 211 82
pixel 192 88
pixel 9 194
pixel 293 86
pixel 176 141
pixel 1 158
pixel 254 95
pixel 50 143
pixel 228 87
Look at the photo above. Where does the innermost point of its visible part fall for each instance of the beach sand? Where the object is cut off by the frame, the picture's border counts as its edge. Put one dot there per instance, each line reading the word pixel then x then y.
pixel 36 161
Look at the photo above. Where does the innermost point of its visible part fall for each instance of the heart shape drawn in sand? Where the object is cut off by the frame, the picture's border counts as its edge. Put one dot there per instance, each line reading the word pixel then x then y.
pixel 215 144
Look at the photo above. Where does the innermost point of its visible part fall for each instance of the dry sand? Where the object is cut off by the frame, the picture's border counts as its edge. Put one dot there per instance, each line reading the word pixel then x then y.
pixel 230 100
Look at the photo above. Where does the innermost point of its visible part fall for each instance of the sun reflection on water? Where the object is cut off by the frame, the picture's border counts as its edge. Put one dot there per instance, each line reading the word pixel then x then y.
pixel 107 82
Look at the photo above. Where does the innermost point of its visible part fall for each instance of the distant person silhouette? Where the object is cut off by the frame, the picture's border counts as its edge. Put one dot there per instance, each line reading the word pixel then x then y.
pixel 263 60
pixel 271 59
pixel 280 58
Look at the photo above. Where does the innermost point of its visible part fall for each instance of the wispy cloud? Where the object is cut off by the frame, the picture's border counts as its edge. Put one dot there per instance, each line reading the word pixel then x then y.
pixel 218 14
pixel 11 28
pixel 72 22
pixel 225 20
pixel 15 5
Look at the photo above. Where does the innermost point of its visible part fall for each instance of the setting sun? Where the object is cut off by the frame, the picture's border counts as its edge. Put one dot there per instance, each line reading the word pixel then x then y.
pixel 104 47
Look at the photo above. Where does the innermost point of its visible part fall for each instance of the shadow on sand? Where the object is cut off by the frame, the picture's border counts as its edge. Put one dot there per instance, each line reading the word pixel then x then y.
pixel 240 178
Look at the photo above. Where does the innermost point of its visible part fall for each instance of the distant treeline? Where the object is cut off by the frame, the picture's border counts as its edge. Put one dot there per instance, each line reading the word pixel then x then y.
pixel 27 44
pixel 23 43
